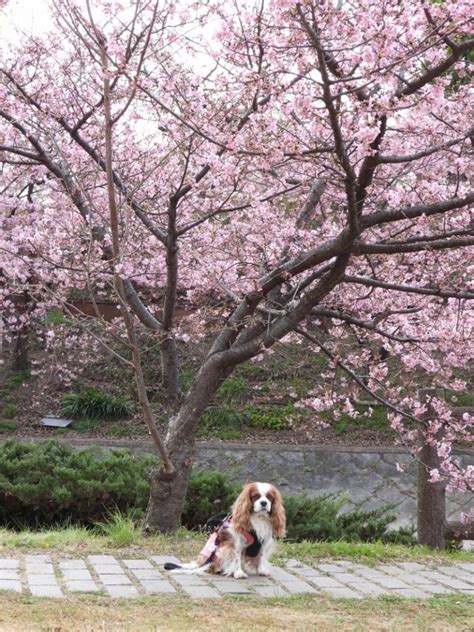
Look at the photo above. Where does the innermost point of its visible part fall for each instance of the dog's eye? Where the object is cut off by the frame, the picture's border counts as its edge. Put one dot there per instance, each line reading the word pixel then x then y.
pixel 270 497
pixel 255 497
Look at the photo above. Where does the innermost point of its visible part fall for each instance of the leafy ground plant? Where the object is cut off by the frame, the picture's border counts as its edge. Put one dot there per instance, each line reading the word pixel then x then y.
pixel 91 403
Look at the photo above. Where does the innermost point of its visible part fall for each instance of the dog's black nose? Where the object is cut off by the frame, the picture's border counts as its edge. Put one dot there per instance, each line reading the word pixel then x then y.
pixel 264 503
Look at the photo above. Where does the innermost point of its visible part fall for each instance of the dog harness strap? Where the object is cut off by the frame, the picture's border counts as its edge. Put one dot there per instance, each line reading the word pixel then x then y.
pixel 254 546
pixel 212 545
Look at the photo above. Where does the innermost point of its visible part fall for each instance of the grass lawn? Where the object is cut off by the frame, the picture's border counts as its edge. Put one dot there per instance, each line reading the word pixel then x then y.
pixel 122 536
pixel 320 613
pixel 77 614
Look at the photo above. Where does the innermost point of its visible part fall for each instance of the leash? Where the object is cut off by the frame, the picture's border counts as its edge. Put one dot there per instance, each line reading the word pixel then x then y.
pixel 169 566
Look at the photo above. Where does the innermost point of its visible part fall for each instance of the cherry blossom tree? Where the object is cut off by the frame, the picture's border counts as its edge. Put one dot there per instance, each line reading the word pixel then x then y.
pixel 291 171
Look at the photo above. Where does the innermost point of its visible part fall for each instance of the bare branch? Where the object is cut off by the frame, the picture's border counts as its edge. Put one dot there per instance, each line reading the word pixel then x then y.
pixel 362 248
pixel 409 212
pixel 428 291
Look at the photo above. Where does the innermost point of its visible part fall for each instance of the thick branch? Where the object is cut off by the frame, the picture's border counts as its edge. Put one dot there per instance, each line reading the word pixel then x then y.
pixel 362 248
pixel 410 212
pixel 435 71
pixel 428 291
pixel 387 159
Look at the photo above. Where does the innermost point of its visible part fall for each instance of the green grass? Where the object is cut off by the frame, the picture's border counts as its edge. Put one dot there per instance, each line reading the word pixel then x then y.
pixel 16 379
pixel 55 317
pixel 86 426
pixel 119 532
pixel 118 430
pixel 78 613
pixel 367 552
pixel 8 426
pixel 10 411
pixel 462 399
pixel 375 420
pixel 122 531
pixel 234 388
pixel 270 417
pixel 219 419
pixel 91 403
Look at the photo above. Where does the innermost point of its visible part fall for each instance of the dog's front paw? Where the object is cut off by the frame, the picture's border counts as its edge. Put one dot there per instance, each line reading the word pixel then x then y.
pixel 240 574
pixel 263 571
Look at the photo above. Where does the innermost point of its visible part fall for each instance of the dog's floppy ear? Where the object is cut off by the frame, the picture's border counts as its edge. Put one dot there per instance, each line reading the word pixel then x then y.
pixel 278 515
pixel 242 509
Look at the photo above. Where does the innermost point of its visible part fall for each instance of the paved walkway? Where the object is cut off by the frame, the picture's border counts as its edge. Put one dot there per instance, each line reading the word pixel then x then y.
pixel 38 575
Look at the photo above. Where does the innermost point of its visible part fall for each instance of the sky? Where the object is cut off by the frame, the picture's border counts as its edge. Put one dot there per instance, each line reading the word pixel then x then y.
pixel 33 17
pixel 30 16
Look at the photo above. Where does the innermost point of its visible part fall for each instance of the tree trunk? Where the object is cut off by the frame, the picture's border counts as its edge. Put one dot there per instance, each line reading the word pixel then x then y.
pixel 431 509
pixel 21 344
pixel 169 368
pixel 167 494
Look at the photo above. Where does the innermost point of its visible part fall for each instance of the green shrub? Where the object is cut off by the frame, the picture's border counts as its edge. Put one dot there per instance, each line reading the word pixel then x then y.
pixel 209 493
pixel 321 519
pixel 17 378
pixel 270 417
pixel 93 404
pixel 232 388
pixel 55 317
pixel 47 483
pixel 50 483
pixel 10 411
pixel 220 418
pixel 8 426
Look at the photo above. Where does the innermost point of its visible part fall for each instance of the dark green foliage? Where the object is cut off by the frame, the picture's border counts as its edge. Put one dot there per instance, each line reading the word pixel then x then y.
pixel 93 404
pixel 220 419
pixel 10 411
pixel 42 484
pixel 86 426
pixel 8 426
pixel 209 493
pixel 48 483
pixel 55 317
pixel 233 388
pixel 269 417
pixel 321 519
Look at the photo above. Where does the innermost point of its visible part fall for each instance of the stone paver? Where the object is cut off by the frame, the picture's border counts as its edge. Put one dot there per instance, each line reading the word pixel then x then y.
pixel 231 587
pixel 157 586
pixel 67 565
pixel 270 591
pixel 138 564
pixel 10 584
pixel 6 562
pixel 122 591
pixel 82 586
pixel 40 590
pixel 41 576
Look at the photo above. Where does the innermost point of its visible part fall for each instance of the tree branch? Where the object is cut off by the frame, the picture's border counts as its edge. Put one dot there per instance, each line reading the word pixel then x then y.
pixel 409 212
pixel 428 291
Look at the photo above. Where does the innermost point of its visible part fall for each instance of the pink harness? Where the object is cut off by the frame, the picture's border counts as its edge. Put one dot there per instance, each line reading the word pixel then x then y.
pixel 211 548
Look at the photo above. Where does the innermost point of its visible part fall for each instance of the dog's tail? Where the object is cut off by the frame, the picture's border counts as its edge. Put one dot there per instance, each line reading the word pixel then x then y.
pixel 188 569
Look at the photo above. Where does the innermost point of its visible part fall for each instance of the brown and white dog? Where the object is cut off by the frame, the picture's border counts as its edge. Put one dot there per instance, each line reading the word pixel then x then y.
pixel 245 540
